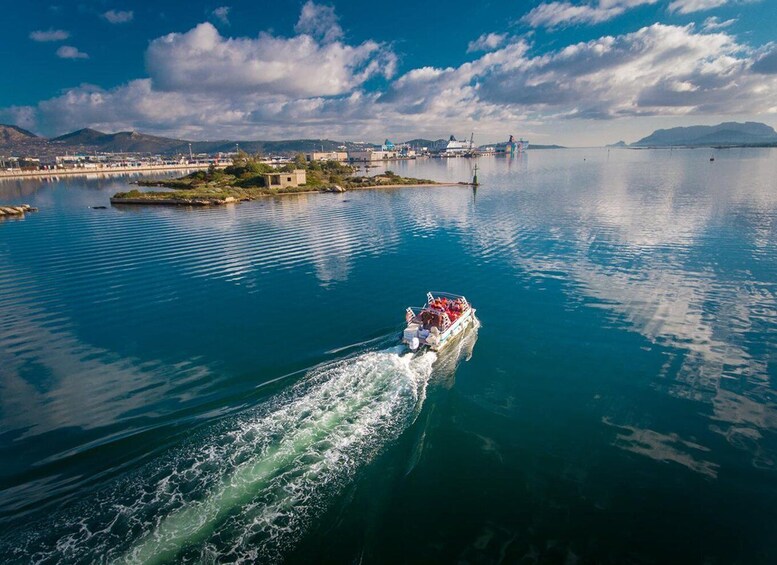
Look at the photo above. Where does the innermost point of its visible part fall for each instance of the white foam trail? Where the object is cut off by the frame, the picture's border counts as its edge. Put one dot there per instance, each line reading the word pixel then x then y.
pixel 250 487
pixel 274 470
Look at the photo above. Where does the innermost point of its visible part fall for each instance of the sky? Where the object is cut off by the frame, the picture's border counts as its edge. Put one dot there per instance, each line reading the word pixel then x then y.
pixel 571 72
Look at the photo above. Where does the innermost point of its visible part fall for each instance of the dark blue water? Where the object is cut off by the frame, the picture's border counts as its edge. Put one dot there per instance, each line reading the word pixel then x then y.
pixel 221 384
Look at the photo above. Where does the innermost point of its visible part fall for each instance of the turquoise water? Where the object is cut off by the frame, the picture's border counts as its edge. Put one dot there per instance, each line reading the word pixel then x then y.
pixel 220 384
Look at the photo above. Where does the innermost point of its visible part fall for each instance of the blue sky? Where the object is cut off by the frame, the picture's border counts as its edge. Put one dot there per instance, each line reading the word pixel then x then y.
pixel 563 71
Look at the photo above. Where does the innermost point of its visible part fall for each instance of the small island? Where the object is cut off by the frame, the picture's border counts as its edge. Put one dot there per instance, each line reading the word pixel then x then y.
pixel 248 178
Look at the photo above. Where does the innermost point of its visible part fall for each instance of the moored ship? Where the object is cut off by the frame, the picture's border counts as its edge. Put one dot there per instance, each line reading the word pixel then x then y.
pixel 444 316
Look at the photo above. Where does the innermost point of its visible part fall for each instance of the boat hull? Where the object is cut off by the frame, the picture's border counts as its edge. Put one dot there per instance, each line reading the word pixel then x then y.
pixel 456 328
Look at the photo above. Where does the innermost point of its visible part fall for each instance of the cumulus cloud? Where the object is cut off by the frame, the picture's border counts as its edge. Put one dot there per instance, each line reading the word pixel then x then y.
pixel 50 35
pixel 319 21
pixel 119 16
pixel 222 14
pixel 486 42
pixel 201 60
pixel 560 14
pixel 201 84
pixel 658 69
pixel 70 52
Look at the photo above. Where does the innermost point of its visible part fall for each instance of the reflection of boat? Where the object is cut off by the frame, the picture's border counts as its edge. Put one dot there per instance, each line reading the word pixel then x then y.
pixel 457 350
pixel 443 317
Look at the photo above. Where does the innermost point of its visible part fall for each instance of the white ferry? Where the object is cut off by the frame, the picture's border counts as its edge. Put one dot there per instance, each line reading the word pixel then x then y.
pixel 443 317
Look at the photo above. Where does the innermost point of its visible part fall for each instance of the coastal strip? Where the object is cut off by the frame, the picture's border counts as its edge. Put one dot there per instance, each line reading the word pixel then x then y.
pixel 101 170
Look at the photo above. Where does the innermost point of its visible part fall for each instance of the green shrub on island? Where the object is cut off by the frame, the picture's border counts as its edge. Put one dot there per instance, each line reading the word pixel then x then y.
pixel 244 180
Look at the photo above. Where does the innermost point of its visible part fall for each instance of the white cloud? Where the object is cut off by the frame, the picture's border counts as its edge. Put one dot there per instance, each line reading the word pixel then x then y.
pixel 70 52
pixel 559 14
pixel 656 70
pixel 50 35
pixel 319 21
pixel 202 85
pixel 690 6
pixel 201 60
pixel 119 16
pixel 222 14
pixel 486 42
pixel 713 23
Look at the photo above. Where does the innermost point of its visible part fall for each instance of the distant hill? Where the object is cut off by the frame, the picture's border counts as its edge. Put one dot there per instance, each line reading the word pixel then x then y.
pixel 86 136
pixel 617 144
pixel 10 134
pixel 15 141
pixel 121 142
pixel 727 133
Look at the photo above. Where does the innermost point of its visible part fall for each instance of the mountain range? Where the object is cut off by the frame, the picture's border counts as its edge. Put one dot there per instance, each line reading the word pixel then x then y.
pixel 727 133
pixel 17 141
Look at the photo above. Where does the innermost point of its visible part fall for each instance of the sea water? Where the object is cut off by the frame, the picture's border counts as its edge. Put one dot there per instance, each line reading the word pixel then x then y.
pixel 223 384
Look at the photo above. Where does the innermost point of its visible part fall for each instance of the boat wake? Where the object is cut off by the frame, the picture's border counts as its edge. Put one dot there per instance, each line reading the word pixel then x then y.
pixel 248 489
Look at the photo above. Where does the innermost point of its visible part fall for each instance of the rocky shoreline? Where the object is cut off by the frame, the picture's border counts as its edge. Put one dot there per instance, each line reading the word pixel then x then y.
pixel 16 211
pixel 174 199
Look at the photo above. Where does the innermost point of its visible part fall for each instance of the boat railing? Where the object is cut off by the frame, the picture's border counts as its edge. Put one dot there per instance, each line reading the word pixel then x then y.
pixel 432 295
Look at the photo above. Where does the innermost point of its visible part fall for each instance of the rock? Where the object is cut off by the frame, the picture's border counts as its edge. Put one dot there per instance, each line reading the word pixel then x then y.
pixel 229 199
pixel 336 188
pixel 16 210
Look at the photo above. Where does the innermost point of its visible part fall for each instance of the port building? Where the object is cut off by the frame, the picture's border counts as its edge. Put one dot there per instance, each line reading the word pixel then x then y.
pixel 340 156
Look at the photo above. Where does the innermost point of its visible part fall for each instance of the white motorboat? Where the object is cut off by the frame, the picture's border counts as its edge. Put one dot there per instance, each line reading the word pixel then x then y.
pixel 434 325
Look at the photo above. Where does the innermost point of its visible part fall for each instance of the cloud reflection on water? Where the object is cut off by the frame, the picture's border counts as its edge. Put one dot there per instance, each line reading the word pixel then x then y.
pixel 650 243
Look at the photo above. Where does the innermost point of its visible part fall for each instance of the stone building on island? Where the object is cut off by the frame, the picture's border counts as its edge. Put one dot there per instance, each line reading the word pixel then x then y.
pixel 282 180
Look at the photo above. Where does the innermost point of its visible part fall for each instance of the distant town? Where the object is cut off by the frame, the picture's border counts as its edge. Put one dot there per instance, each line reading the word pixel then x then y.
pixel 84 151
pixel 22 153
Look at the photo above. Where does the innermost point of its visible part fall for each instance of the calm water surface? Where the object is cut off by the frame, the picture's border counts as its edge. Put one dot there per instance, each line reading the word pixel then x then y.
pixel 220 384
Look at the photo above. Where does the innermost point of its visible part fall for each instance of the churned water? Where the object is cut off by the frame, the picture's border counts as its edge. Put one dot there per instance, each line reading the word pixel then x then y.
pixel 223 384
